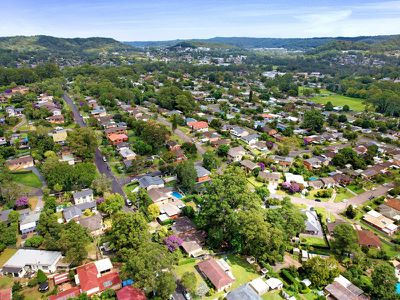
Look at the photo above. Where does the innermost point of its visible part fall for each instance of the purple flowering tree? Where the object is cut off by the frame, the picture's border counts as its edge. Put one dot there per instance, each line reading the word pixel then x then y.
pixel 99 200
pixel 173 242
pixel 262 166
pixel 22 202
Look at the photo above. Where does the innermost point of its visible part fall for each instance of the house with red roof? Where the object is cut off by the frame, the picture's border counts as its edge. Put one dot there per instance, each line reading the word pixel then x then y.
pixel 67 294
pixel 6 294
pixel 199 126
pixel 368 239
pixel 217 272
pixel 130 293
pixel 116 138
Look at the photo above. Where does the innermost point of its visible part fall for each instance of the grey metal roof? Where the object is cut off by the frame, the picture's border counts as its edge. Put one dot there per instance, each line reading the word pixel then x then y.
pixel 147 181
pixel 76 210
pixel 243 292
pixel 201 171
pixel 4 215
pixel 30 218
pixel 83 193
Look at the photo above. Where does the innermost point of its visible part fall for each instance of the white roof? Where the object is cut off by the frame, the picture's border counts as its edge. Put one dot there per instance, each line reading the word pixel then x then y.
pixel 274 283
pixel 374 213
pixel 259 285
pixel 25 257
pixel 103 265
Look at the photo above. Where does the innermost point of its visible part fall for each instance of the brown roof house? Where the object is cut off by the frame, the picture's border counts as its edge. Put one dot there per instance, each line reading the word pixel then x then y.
pixel 368 239
pixel 341 289
pixel 19 163
pixel 218 272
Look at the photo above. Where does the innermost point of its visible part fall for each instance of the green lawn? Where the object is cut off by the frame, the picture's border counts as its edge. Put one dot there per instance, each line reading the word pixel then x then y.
pixel 28 179
pixel 342 194
pixel 324 214
pixel 252 180
pixel 6 282
pixel 312 196
pixel 313 241
pixel 272 296
pixel 356 189
pixel 339 100
pixel 6 255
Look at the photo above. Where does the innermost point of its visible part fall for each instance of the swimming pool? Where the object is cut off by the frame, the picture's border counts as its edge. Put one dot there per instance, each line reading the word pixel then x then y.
pixel 177 195
pixel 398 288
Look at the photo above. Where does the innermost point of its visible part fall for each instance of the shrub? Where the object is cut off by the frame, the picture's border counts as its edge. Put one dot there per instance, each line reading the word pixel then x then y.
pixel 34 241
pixel 32 282
pixel 41 277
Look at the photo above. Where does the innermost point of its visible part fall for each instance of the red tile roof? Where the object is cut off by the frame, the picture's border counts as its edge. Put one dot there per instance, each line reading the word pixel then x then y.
pixel 198 125
pixel 215 273
pixel 130 293
pixel 88 278
pixel 393 203
pixel 368 238
pixel 61 278
pixel 70 293
pixel 5 294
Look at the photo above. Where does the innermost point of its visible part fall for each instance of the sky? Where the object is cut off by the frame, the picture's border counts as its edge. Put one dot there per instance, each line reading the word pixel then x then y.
pixel 133 20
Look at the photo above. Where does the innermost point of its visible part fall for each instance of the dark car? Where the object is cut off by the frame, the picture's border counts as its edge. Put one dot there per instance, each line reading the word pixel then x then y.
pixel 317 200
pixel 44 287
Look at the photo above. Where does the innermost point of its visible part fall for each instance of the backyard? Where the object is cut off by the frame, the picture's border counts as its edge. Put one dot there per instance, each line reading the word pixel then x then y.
pixel 27 178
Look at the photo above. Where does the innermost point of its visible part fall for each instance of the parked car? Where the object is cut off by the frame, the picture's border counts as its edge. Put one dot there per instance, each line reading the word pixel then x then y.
pixel 128 202
pixel 104 159
pixel 44 287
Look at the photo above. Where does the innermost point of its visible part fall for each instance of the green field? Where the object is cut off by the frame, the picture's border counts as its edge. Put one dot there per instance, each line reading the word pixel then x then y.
pixel 28 179
pixel 6 255
pixel 313 241
pixel 339 100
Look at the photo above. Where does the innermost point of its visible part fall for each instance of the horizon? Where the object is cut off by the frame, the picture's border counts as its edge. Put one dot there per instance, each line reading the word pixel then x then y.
pixel 160 20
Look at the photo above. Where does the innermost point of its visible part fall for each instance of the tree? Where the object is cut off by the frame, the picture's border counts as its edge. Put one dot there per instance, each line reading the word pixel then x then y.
pixel 342 118
pixel 345 240
pixel 350 212
pixel 189 281
pixel 166 285
pixel 83 142
pixel 329 106
pixel 41 276
pixel 34 241
pixel 112 204
pixel 383 282
pixel 210 162
pixel 314 120
pixel 187 175
pixel 321 271
pixel 129 231
pixel 102 184
pixel 173 242
pixel 146 263
pixel 22 202
pixel 153 211
pixel 346 107
pixel 223 150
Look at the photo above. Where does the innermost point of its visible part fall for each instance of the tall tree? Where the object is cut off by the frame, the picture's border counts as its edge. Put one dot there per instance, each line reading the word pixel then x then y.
pixel 345 240
pixel 383 282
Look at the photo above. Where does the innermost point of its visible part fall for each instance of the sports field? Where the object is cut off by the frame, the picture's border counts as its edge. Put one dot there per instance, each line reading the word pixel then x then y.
pixel 355 104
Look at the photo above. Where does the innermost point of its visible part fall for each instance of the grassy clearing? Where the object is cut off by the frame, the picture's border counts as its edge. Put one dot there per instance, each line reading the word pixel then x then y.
pixel 33 202
pixel 28 179
pixel 6 282
pixel 252 180
pixel 356 189
pixel 312 196
pixel 325 214
pixel 342 194
pixel 6 255
pixel 272 296
pixel 355 104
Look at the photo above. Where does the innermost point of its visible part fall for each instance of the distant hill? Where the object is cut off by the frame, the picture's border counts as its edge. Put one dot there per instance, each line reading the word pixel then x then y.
pixel 288 43
pixel 42 43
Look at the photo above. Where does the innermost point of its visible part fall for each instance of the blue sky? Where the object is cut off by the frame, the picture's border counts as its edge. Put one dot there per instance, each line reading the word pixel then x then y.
pixel 131 20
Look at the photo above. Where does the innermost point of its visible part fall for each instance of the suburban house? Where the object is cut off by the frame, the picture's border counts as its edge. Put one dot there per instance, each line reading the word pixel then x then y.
pixel 259 286
pixel 159 195
pixel 202 174
pixel 94 224
pixel 315 162
pixel 236 154
pixel 284 161
pixel 116 130
pixel 127 153
pixel 75 212
pixel 248 165
pixel 380 222
pixel 199 126
pixel 391 209
pixel 28 223
pixel 116 139
pixel 273 177
pixel 217 272
pixel 368 239
pixel 95 277
pixel 83 196
pixel 313 225
pixel 150 182
pixel 56 119
pixel 25 260
pixel 243 292
pixel 130 293
pixel 341 288
pixel 98 111
pixel 59 135
pixel 192 248
pixel 250 139
pixel 19 163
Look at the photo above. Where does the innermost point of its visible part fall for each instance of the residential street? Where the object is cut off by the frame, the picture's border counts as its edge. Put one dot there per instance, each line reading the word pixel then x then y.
pixel 102 166
pixel 182 135
pixel 337 208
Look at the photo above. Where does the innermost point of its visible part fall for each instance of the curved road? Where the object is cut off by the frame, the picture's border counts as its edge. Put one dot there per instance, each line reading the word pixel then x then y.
pixel 101 165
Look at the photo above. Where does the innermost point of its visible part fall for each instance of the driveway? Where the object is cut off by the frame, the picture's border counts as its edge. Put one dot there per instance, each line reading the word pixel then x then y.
pixel 101 165
pixel 186 138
